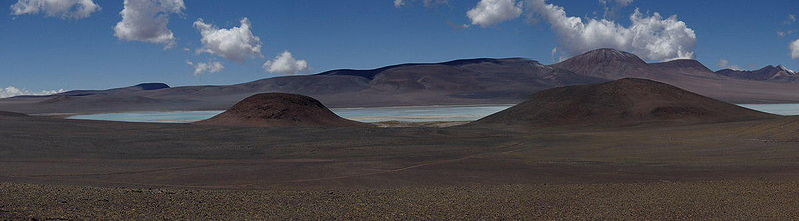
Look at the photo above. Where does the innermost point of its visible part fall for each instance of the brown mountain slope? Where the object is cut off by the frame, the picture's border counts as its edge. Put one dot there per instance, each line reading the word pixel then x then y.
pixel 687 74
pixel 613 64
pixel 278 109
pixel 607 64
pixel 623 102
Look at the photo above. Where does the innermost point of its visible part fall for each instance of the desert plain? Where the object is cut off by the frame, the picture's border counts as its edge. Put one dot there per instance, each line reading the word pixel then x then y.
pixel 75 169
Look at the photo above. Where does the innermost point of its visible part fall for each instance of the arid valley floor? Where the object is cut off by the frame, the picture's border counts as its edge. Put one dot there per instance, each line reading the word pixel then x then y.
pixel 71 169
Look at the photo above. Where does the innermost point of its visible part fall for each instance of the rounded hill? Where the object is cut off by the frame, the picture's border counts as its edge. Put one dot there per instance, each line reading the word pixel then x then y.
pixel 279 109
pixel 622 102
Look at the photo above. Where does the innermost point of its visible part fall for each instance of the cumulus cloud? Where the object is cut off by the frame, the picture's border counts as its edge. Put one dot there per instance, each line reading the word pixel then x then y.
pixel 206 67
pixel 652 37
pixel 725 64
pixel 237 43
pixel 72 9
pixel 147 20
pixel 491 12
pixel 427 3
pixel 794 49
pixel 12 91
pixel 285 63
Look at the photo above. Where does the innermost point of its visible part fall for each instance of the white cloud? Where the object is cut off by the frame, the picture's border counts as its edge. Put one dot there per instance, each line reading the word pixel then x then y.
pixel 491 12
pixel 237 43
pixel 73 9
pixel 206 67
pixel 612 7
pixel 147 20
pixel 12 91
pixel 622 3
pixel 794 49
pixel 785 33
pixel 285 63
pixel 427 3
pixel 791 19
pixel 651 37
pixel 725 64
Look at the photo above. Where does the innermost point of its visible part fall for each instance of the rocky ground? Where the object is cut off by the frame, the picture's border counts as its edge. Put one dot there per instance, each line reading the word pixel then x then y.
pixel 724 200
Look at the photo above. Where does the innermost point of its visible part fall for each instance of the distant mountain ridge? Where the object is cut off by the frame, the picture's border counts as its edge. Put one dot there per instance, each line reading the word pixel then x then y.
pixel 768 73
pixel 685 65
pixel 370 74
pixel 466 81
pixel 138 87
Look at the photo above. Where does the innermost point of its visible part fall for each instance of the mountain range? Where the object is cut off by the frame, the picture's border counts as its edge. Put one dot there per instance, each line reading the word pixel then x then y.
pixel 462 82
pixel 768 73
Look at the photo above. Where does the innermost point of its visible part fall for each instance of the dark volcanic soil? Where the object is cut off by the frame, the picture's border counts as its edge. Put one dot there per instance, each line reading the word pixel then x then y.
pixel 279 109
pixel 11 114
pixel 619 103
pixel 722 200
pixel 72 169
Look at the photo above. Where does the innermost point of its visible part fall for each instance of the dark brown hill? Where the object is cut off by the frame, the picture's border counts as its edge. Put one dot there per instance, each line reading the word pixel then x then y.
pixel 623 102
pixel 278 109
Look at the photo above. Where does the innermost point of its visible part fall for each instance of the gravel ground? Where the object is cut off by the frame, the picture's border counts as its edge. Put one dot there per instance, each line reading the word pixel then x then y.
pixel 723 200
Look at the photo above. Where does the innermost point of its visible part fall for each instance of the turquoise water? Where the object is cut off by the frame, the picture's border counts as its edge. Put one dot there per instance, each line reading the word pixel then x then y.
pixel 151 117
pixel 781 109
pixel 412 114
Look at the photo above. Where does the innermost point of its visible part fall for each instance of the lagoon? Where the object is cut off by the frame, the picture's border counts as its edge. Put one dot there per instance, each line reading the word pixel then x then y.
pixel 377 114
pixel 779 109
pixel 370 115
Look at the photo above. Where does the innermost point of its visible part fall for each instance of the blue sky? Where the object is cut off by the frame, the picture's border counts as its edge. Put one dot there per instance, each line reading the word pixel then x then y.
pixel 40 52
